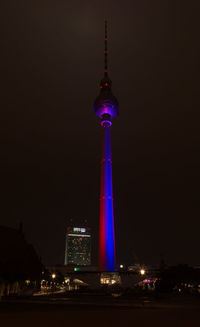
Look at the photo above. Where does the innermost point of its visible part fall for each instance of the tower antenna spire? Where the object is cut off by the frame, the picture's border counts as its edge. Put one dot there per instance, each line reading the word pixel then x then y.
pixel 106 49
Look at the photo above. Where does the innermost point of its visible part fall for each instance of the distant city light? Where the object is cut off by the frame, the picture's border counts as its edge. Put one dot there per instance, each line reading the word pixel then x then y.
pixel 142 272
pixel 121 266
pixel 76 269
pixel 53 276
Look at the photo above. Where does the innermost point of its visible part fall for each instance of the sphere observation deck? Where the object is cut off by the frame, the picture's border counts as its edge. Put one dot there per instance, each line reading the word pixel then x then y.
pixel 106 103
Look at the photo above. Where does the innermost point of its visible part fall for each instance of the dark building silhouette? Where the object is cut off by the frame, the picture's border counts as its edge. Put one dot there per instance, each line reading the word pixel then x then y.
pixel 18 259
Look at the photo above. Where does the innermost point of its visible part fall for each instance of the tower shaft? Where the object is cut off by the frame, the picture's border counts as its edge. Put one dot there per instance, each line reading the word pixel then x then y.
pixel 107 230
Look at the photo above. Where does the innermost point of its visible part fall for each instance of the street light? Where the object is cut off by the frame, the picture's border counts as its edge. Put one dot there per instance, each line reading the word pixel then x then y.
pixel 53 276
pixel 142 272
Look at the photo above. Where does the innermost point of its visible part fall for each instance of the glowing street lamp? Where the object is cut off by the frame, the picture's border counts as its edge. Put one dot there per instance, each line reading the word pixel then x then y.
pixel 142 272
pixel 53 276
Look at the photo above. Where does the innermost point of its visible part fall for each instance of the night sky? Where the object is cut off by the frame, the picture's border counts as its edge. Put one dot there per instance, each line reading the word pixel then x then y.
pixel 51 63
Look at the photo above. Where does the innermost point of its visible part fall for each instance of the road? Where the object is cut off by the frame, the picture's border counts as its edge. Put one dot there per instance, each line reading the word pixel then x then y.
pixel 93 312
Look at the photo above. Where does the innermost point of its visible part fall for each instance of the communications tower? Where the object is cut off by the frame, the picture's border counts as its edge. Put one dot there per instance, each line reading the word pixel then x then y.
pixel 106 107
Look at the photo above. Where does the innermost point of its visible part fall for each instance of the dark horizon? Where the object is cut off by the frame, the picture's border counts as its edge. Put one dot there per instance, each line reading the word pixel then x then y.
pixel 51 66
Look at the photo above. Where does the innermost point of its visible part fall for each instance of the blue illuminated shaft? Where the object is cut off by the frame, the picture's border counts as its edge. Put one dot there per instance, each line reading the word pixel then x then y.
pixel 107 233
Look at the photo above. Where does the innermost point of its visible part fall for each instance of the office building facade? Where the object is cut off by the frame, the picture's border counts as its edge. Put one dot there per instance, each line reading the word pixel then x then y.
pixel 78 246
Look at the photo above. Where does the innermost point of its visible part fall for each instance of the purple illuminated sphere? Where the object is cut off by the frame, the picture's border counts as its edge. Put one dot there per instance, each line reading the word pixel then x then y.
pixel 106 105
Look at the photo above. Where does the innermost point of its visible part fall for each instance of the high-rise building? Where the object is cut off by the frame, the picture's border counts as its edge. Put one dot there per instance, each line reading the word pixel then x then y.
pixel 106 107
pixel 78 246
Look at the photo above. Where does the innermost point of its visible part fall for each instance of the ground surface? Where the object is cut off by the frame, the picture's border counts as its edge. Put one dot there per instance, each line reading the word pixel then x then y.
pixel 99 312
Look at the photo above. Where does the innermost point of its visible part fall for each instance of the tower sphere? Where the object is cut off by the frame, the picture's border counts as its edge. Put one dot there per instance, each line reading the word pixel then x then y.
pixel 106 105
